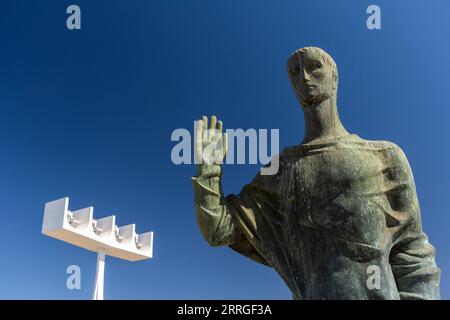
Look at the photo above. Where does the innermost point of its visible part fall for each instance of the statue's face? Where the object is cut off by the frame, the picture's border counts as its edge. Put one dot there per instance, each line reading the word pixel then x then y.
pixel 312 78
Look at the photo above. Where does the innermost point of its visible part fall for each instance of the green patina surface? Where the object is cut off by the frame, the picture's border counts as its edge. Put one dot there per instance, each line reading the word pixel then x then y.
pixel 338 206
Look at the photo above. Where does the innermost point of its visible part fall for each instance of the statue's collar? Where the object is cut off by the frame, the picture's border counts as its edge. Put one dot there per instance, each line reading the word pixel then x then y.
pixel 347 137
pixel 305 147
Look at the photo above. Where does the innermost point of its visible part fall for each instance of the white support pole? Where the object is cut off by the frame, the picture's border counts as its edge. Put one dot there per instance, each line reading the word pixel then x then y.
pixel 99 276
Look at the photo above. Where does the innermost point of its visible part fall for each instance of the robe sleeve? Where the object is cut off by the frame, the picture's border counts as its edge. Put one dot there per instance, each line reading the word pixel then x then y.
pixel 247 214
pixel 222 220
pixel 258 213
pixel 412 257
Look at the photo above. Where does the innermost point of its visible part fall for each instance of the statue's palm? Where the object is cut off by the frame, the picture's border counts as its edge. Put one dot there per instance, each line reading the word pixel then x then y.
pixel 210 143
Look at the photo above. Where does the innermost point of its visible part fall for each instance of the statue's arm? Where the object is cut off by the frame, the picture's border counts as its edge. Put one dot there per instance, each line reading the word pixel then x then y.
pixel 412 257
pixel 221 219
pixel 213 211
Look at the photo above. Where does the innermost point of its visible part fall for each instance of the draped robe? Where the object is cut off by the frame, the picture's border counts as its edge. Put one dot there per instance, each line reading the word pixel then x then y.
pixel 333 215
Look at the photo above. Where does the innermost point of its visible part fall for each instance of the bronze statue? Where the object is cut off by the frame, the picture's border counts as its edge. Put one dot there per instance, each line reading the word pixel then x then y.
pixel 338 207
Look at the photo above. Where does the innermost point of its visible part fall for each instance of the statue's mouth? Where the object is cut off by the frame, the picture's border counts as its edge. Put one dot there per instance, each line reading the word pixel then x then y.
pixel 307 87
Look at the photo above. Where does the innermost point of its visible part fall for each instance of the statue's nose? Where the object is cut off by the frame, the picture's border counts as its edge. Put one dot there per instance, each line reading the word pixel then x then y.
pixel 306 76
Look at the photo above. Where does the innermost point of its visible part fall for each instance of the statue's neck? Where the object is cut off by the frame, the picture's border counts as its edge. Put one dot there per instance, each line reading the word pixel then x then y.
pixel 322 122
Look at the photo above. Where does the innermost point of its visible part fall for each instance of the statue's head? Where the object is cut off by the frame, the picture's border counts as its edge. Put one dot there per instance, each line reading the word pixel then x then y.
pixel 313 75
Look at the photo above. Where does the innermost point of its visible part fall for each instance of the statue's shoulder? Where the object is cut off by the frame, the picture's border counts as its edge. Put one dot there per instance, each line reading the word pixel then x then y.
pixel 270 175
pixel 379 144
pixel 390 150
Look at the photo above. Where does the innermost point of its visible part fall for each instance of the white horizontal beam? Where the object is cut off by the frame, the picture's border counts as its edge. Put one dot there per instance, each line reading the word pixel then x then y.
pixel 81 229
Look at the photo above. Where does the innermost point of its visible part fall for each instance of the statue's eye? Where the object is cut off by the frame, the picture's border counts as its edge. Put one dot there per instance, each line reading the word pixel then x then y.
pixel 294 70
pixel 315 65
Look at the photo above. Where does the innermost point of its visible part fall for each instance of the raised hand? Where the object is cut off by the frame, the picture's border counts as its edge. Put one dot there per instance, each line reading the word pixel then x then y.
pixel 210 143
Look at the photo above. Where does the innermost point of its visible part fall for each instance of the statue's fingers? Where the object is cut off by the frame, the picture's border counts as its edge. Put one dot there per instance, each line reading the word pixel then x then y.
pixel 205 128
pixel 212 129
pixel 219 127
pixel 225 143
pixel 198 138
pixel 199 130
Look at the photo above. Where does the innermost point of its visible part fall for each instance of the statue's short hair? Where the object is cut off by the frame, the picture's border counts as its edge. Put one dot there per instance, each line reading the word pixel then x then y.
pixel 326 57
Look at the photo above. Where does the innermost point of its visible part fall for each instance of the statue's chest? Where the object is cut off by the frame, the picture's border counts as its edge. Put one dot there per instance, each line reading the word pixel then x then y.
pixel 336 169
pixel 335 186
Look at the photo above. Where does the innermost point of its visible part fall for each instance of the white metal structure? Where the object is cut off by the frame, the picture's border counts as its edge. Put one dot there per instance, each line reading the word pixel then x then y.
pixel 102 236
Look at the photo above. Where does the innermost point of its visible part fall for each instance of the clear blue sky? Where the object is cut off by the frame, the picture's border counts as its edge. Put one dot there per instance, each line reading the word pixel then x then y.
pixel 88 114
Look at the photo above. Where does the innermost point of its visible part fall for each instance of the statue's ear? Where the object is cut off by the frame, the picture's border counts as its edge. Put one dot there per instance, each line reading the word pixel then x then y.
pixel 335 80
